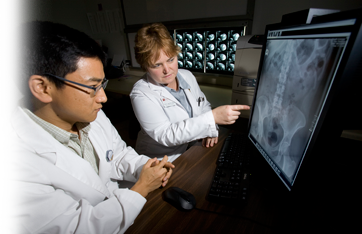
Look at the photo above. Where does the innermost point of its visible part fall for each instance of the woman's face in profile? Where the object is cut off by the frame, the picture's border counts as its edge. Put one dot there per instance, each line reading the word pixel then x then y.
pixel 164 70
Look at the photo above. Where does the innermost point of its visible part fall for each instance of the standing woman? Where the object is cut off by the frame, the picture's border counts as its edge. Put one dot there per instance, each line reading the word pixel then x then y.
pixel 172 110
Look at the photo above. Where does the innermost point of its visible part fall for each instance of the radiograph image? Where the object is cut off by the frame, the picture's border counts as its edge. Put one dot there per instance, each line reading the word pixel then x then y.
pixel 293 83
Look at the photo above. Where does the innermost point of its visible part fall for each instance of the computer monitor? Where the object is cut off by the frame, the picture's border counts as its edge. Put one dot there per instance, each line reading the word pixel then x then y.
pixel 305 78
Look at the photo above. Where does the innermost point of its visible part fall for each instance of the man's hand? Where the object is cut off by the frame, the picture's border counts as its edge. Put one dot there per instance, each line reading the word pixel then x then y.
pixel 154 174
pixel 169 167
pixel 228 114
pixel 209 141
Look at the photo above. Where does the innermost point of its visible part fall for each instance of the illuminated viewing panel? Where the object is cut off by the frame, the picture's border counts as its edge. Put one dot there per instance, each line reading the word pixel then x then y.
pixel 207 50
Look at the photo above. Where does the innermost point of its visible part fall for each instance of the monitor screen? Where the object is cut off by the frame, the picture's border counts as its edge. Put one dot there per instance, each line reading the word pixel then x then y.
pixel 298 67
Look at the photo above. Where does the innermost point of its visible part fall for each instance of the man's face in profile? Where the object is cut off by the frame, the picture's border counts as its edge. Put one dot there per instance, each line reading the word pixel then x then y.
pixel 74 103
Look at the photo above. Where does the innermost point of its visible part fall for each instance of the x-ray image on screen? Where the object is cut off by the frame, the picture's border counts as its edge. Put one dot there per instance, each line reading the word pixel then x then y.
pixel 293 83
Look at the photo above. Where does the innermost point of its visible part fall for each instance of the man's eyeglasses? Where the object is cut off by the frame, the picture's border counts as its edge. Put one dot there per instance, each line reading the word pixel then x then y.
pixel 96 89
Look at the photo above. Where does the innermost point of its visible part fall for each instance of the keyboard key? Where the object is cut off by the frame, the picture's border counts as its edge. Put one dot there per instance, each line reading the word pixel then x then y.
pixel 231 178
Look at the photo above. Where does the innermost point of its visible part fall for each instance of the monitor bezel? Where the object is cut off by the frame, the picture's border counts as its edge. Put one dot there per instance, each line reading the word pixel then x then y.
pixel 340 84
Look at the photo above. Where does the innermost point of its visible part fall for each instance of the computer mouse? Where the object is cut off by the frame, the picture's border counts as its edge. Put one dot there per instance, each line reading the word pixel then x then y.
pixel 179 198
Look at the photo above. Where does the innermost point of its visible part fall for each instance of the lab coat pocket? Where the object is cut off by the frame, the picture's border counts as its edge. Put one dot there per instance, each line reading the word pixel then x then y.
pixel 198 106
pixel 200 101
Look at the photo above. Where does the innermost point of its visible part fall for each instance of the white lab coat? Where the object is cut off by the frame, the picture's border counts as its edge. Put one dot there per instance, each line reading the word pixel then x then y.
pixel 59 192
pixel 166 128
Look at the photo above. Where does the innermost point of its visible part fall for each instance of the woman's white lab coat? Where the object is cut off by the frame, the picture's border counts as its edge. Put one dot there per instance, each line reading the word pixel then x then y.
pixel 166 128
pixel 59 192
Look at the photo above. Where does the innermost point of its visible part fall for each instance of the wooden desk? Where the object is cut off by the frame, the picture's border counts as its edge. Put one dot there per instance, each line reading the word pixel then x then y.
pixel 322 207
pixel 193 173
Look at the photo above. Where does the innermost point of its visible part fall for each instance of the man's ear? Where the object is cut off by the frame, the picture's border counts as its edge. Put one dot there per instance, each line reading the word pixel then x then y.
pixel 41 88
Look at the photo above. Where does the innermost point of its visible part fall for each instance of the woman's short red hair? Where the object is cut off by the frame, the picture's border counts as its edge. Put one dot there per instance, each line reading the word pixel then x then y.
pixel 150 41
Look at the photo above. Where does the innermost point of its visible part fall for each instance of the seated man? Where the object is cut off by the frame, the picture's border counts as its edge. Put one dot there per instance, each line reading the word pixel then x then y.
pixel 68 154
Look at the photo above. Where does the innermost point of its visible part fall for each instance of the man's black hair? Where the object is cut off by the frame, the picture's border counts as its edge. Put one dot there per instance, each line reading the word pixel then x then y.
pixel 56 49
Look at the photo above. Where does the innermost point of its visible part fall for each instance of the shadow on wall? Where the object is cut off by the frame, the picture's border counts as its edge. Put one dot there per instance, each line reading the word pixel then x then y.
pixel 119 110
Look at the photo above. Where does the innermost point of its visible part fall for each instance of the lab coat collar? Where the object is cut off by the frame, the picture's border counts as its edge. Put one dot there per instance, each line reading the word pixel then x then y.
pixel 182 82
pixel 50 149
pixel 191 99
pixel 30 132
pixel 102 147
pixel 153 85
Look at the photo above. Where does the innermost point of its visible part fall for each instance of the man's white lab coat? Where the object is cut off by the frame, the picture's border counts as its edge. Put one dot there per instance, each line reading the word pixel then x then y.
pixel 59 192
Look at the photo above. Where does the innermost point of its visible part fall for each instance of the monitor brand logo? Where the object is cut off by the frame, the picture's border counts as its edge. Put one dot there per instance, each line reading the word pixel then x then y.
pixel 274 34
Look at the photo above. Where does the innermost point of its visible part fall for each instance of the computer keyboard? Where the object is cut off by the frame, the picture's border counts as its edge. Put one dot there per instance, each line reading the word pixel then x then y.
pixel 230 184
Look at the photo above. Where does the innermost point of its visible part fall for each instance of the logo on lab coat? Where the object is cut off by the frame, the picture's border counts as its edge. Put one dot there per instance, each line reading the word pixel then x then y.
pixel 167 102
pixel 109 155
